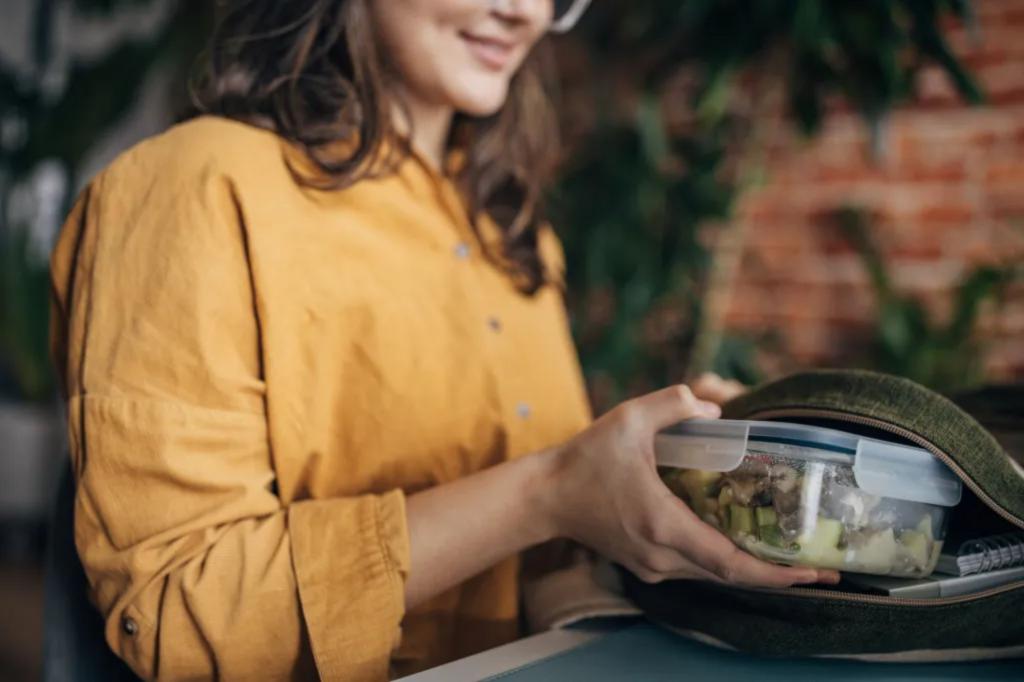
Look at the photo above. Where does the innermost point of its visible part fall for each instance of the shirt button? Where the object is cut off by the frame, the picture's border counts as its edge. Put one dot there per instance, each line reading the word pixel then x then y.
pixel 523 410
pixel 494 323
pixel 461 250
pixel 129 626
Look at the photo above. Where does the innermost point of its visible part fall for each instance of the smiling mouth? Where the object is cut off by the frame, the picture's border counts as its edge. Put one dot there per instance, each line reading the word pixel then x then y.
pixel 493 54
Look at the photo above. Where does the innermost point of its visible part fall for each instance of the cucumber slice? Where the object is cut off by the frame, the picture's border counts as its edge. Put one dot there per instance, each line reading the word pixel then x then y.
pixel 741 519
pixel 763 550
pixel 766 516
pixel 772 535
pixel 825 536
pixel 820 546
pixel 699 484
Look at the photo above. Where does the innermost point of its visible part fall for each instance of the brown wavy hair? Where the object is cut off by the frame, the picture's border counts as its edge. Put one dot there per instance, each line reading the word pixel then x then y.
pixel 311 71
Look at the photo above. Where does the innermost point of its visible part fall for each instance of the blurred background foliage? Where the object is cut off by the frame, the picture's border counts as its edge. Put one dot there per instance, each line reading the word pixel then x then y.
pixel 50 119
pixel 682 87
pixel 907 339
pixel 661 100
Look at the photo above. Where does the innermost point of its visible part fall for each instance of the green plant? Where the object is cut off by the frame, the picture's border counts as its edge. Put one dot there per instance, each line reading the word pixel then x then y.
pixel 23 322
pixel 56 130
pixel 907 340
pixel 681 91
pixel 678 88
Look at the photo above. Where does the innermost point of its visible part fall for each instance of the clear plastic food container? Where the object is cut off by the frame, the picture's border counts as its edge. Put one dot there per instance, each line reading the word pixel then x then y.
pixel 812 496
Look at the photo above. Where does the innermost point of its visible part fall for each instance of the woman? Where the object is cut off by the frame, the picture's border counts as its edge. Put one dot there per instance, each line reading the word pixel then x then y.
pixel 320 385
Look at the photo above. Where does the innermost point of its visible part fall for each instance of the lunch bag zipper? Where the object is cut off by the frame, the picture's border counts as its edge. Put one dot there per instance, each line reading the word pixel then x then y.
pixel 945 458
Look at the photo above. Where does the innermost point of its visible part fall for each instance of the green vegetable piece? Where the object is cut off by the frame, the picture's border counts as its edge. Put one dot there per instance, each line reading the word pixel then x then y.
pixel 725 497
pixel 706 482
pixel 772 535
pixel 766 516
pixel 826 536
pixel 697 488
pixel 741 519
pixel 820 547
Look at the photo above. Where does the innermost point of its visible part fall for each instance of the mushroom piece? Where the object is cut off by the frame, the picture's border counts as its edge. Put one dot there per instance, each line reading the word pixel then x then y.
pixel 786 503
pixel 784 478
pixel 746 488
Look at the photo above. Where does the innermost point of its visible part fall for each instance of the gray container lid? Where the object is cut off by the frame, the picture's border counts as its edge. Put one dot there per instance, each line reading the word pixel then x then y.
pixel 880 468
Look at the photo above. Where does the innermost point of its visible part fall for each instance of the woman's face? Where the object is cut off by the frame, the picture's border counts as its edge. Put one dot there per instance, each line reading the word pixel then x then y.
pixel 459 53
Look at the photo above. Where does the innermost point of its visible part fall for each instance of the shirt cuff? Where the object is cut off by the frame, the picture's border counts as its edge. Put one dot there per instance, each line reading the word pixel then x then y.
pixel 351 559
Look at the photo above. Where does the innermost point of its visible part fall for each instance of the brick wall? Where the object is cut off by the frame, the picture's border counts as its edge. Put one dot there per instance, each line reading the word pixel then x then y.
pixel 947 193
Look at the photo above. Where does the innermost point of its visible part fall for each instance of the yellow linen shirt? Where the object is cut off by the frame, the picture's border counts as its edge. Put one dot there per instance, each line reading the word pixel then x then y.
pixel 257 374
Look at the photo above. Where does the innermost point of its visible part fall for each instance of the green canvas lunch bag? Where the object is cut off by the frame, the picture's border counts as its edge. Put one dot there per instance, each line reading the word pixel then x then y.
pixel 845 620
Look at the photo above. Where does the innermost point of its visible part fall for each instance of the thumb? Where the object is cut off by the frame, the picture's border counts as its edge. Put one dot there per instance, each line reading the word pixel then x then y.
pixel 710 386
pixel 674 404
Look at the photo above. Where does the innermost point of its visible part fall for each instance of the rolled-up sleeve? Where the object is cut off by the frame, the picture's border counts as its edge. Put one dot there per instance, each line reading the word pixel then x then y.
pixel 197 565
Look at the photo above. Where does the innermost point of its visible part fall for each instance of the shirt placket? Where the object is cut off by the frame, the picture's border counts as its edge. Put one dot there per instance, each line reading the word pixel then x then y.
pixel 493 312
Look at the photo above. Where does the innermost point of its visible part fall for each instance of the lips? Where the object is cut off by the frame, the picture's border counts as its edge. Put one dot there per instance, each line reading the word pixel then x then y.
pixel 492 53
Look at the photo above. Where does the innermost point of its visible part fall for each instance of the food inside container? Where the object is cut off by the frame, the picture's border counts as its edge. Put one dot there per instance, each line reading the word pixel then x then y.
pixel 811 496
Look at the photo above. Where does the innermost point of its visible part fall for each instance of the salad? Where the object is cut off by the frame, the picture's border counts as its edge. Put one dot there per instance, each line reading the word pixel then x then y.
pixel 796 510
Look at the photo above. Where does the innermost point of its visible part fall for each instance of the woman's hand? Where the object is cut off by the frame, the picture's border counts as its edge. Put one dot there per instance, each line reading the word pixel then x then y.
pixel 601 489
pixel 606 494
pixel 709 386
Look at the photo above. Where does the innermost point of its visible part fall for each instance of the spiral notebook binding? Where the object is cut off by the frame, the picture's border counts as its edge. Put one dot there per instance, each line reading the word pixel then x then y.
pixel 992 553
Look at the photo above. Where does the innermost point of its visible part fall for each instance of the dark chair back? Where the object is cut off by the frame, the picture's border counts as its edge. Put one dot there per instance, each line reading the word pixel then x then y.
pixel 74 649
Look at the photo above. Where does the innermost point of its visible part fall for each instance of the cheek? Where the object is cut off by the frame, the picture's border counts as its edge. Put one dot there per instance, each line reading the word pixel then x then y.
pixel 420 39
pixel 422 45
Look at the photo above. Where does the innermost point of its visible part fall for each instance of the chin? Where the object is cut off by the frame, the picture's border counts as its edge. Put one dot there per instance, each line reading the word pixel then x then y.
pixel 482 100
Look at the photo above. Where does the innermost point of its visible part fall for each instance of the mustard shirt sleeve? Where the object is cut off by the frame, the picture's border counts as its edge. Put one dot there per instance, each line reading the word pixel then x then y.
pixel 197 566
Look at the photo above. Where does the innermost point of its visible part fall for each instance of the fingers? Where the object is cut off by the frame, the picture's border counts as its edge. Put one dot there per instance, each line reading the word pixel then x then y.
pixel 828 576
pixel 732 565
pixel 656 563
pixel 662 563
pixel 711 551
pixel 745 569
pixel 676 567
pixel 710 386
pixel 668 406
pixel 664 538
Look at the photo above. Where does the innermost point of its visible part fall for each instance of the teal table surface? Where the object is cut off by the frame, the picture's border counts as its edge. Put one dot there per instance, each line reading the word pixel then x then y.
pixel 647 652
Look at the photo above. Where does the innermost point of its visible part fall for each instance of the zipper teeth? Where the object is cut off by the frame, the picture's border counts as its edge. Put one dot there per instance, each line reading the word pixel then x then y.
pixel 884 426
pixel 947 460
pixel 837 595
